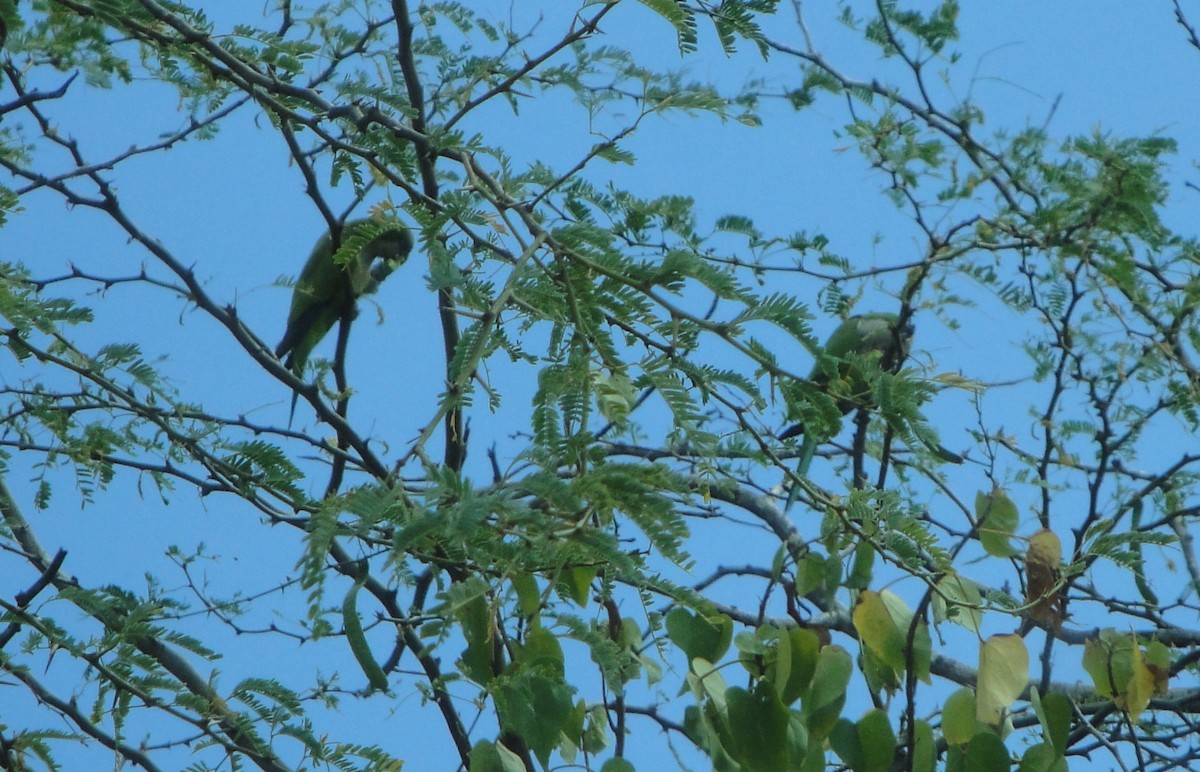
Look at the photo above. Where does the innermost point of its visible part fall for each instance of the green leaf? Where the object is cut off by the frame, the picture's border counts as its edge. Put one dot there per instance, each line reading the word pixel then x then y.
pixel 615 395
pixel 956 759
pixel 924 758
pixel 869 745
pixel 537 709
pixel 1140 687
pixel 1096 658
pixel 804 648
pixel 705 727
pixel 1158 662
pixel 810 573
pixel 845 742
pixel 861 568
pixel 997 517
pixel 1043 758
pixel 707 637
pixel 958 717
pixel 542 652
pixel 494 757
pixel 784 657
pixel 708 681
pixel 614 154
pixel 596 733
pixel 826 696
pixel 572 732
pixel 879 674
pixel 798 742
pixel 575 584
pixel 986 753
pixel 475 617
pixel 680 17
pixel 958 600
pixel 882 621
pixel 877 739
pixel 922 643
pixel 1055 713
pixel 1118 668
pixel 758 727
pixel 529 598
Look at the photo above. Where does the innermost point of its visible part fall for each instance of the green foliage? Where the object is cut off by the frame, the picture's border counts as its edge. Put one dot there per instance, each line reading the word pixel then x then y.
pixel 1119 669
pixel 984 753
pixel 1054 714
pixel 679 16
pixel 758 725
pixel 571 544
pixel 997 517
pixel 786 659
pixel 866 746
pixel 886 627
pixel 494 757
pixel 958 599
pixel 932 31
pixel 826 695
pixel 535 708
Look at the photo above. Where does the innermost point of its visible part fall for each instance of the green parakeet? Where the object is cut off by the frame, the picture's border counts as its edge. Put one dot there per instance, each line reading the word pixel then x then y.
pixel 873 335
pixel 327 290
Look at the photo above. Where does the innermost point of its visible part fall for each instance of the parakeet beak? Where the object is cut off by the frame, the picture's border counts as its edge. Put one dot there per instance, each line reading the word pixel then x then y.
pixel 383 268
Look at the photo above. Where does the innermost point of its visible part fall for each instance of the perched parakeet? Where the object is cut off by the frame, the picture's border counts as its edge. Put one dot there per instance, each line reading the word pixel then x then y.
pixel 326 290
pixel 859 337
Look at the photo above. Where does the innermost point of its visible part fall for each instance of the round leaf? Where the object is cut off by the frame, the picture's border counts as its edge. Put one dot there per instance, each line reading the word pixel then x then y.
pixel 1003 675
pixel 997 517
pixel 958 600
pixel 827 692
pixel 699 636
pixel 958 717
pixel 986 753
pixel 877 740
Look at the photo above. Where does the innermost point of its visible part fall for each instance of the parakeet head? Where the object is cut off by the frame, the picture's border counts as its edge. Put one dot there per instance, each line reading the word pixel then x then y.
pixel 388 252
pixel 903 336
pixel 876 332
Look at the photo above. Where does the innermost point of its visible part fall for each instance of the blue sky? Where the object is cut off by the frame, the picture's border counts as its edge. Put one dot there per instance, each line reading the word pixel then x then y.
pixel 234 208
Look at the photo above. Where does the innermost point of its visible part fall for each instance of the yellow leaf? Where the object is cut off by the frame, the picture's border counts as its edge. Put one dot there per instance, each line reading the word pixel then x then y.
pixel 1140 686
pixel 1121 671
pixel 1003 675
pixel 882 621
pixel 878 631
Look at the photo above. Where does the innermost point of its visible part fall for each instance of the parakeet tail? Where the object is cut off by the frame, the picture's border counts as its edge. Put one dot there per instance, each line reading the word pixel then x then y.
pixel 290 363
pixel 806 456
